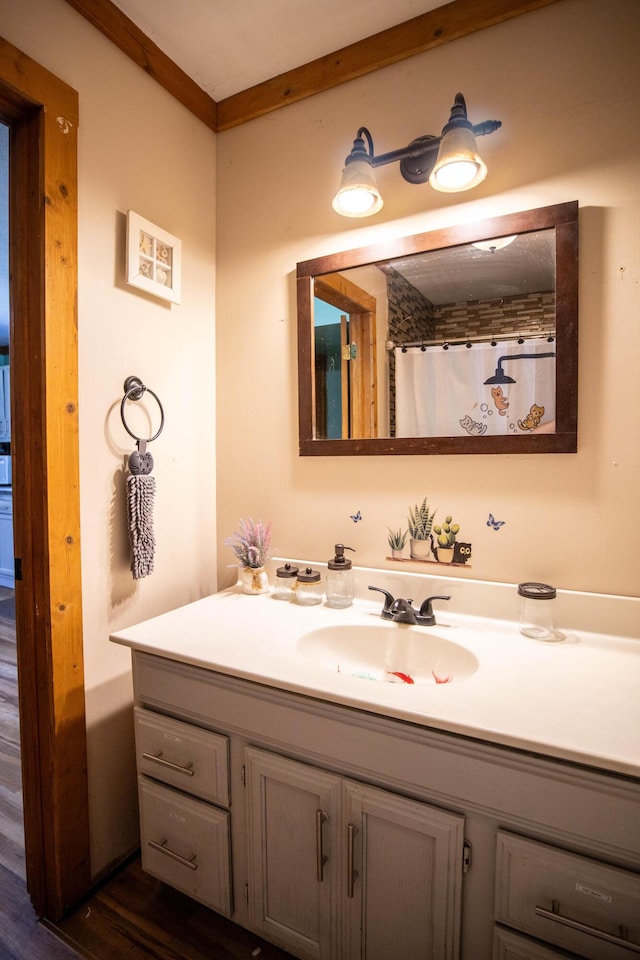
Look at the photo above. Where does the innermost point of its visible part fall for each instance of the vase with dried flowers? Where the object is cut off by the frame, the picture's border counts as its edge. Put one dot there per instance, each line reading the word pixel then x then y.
pixel 251 545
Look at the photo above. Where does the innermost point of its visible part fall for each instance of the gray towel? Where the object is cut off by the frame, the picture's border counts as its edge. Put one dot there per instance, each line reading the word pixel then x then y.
pixel 141 491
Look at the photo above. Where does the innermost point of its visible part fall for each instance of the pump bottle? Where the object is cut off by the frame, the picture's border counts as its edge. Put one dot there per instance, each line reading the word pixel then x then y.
pixel 340 579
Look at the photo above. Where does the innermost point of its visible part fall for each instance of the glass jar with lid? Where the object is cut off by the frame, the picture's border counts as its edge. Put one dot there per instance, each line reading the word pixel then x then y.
pixel 537 611
pixel 283 588
pixel 308 589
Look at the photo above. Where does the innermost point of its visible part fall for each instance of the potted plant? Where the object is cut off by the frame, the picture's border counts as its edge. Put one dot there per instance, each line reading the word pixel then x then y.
pixel 420 522
pixel 251 545
pixel 397 540
pixel 446 535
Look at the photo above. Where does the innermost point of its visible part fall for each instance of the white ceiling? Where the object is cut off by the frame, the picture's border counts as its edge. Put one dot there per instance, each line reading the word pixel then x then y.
pixel 463 273
pixel 231 45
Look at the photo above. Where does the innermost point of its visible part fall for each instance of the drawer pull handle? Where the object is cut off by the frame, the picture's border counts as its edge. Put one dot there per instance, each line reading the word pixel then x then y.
pixel 555 915
pixel 158 758
pixel 321 858
pixel 168 852
pixel 352 875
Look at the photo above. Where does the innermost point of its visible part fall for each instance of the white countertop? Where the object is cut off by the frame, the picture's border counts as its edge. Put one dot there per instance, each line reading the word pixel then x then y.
pixel 578 700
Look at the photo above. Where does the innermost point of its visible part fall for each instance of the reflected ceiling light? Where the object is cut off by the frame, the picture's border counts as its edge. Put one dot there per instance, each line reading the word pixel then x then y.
pixel 497 243
pixel 450 163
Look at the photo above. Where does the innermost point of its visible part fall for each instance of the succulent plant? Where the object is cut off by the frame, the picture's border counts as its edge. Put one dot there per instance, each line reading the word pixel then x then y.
pixel 420 521
pixel 397 538
pixel 446 533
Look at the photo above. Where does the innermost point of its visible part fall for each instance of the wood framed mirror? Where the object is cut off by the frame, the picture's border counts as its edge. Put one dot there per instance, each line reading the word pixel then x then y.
pixel 461 340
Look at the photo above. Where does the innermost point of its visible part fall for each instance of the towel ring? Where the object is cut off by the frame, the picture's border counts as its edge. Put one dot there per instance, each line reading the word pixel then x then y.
pixel 134 389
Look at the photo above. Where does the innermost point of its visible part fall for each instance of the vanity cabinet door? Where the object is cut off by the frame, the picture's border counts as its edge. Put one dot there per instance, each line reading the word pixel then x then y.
pixel 346 871
pixel 7 577
pixel 403 877
pixel 294 854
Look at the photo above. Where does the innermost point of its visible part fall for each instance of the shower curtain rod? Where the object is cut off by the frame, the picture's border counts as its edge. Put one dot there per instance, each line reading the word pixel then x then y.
pixel 460 343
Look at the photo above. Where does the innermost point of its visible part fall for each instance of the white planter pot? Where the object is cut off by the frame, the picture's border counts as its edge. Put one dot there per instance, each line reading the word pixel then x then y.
pixel 254 580
pixel 421 549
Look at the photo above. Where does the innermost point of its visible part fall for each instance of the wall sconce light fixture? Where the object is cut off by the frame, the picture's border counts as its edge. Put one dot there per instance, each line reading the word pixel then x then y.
pixel 449 162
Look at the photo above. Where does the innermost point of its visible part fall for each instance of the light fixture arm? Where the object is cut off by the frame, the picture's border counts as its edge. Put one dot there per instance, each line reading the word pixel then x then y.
pixel 358 151
pixel 418 158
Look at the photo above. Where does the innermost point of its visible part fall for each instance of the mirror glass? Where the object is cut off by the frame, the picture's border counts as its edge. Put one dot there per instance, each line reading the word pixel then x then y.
pixel 456 341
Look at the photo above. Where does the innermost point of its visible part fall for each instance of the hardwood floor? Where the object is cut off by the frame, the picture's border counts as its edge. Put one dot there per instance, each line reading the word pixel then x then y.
pixel 133 917
pixel 11 834
pixel 130 917
pixel 22 936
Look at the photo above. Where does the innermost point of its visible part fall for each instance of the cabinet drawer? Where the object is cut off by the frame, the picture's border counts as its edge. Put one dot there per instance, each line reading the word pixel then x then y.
pixel 568 900
pixel 512 946
pixel 187 757
pixel 185 843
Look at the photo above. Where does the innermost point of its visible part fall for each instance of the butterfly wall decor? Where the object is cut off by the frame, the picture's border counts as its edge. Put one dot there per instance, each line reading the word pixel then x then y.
pixel 495 524
pixel 356 517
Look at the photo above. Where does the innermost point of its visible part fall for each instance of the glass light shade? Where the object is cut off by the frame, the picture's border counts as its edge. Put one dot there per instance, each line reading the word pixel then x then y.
pixel 459 165
pixel 358 195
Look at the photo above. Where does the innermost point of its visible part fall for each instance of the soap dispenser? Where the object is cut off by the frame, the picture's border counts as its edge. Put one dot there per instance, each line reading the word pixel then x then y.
pixel 339 579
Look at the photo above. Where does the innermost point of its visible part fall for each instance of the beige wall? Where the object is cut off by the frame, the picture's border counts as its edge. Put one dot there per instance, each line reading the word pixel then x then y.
pixel 565 81
pixel 138 149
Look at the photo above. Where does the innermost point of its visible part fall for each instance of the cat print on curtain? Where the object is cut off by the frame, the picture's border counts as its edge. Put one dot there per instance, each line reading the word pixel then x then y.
pixel 444 392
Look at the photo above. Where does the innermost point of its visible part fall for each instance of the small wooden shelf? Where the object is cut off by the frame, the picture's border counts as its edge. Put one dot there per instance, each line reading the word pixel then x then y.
pixel 434 563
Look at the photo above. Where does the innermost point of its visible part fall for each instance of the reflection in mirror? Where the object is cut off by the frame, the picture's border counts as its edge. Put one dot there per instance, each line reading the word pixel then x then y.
pixel 459 341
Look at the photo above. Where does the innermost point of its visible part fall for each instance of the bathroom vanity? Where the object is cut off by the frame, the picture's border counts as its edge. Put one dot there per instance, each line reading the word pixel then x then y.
pixel 492 817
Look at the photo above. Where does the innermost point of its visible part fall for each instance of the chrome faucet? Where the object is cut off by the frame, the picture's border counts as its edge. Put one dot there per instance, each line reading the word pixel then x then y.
pixel 403 611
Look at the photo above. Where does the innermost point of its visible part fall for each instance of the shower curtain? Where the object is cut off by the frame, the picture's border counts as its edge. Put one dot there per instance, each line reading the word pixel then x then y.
pixel 443 392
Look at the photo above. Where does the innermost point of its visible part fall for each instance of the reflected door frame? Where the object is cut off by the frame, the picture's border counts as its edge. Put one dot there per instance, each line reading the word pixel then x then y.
pixel 42 114
pixel 358 342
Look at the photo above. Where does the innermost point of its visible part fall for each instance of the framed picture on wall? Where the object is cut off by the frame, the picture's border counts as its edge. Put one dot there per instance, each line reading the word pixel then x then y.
pixel 154 259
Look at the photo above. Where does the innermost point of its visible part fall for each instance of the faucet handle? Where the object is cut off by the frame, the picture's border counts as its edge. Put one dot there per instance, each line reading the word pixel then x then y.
pixel 426 615
pixel 388 599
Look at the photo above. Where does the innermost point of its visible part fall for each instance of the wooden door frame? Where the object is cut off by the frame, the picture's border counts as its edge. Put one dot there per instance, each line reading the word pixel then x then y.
pixel 361 307
pixel 42 113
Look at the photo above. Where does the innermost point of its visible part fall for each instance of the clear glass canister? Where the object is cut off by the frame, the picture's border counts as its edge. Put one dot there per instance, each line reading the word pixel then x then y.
pixel 340 587
pixel 308 589
pixel 537 611
pixel 340 579
pixel 285 582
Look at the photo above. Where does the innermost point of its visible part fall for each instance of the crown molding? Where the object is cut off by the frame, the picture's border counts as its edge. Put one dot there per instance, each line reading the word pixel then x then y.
pixel 442 25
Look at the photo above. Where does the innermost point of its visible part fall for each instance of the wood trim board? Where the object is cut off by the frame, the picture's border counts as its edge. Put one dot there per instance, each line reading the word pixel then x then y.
pixel 42 113
pixel 454 20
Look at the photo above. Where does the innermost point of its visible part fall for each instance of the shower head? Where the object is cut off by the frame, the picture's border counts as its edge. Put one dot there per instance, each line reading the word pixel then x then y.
pixel 501 377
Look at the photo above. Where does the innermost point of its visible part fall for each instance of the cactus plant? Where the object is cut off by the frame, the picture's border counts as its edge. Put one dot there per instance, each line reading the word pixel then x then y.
pixel 446 533
pixel 420 521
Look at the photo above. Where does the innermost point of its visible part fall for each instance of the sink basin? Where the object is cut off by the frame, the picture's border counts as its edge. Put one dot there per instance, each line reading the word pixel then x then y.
pixel 392 653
